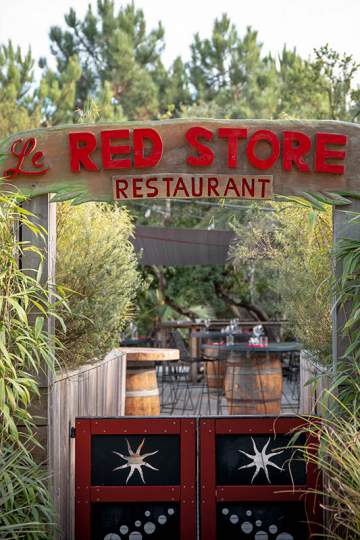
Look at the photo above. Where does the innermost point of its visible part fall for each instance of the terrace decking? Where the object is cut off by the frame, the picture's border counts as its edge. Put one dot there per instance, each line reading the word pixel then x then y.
pixel 180 397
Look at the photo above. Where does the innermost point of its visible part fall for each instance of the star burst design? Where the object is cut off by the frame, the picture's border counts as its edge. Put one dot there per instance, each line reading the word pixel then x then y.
pixel 135 461
pixel 261 460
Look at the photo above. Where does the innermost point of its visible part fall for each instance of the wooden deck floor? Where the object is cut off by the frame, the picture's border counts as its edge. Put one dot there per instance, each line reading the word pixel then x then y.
pixel 183 398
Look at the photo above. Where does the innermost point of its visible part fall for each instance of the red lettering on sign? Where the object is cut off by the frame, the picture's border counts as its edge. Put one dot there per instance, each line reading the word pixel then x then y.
pixel 137 188
pixel 206 155
pixel 140 160
pixel 180 186
pixel 28 146
pixel 121 186
pixel 168 180
pixel 109 150
pixel 232 135
pixel 246 187
pixel 263 182
pixel 271 138
pixel 198 192
pixel 323 153
pixel 231 186
pixel 150 183
pixel 213 184
pixel 82 144
pixel 296 146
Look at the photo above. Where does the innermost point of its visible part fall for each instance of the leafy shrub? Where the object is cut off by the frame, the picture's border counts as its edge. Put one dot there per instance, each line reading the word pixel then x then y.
pixel 338 459
pixel 25 506
pixel 290 250
pixel 96 262
pixel 25 349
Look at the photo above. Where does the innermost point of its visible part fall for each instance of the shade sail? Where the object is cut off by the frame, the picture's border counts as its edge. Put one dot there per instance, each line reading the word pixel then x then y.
pixel 181 247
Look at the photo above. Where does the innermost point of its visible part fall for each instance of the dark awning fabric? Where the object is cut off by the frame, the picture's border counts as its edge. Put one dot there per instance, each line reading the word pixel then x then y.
pixel 181 247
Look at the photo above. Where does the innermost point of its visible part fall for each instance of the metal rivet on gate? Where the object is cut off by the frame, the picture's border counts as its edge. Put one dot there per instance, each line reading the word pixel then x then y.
pixel 174 423
pixel 125 430
pixel 104 430
pixel 165 430
pixel 186 431
pixel 209 430
pixel 229 430
pixel 97 500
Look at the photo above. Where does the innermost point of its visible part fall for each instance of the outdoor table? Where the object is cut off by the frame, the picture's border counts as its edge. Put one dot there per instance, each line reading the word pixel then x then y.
pixel 142 392
pixel 135 342
pixel 211 335
pixel 253 375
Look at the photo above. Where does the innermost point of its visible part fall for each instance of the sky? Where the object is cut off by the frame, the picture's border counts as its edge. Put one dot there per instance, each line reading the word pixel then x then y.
pixel 305 24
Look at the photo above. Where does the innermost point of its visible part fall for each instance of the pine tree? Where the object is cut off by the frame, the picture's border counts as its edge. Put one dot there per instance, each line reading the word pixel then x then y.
pixel 18 107
pixel 113 48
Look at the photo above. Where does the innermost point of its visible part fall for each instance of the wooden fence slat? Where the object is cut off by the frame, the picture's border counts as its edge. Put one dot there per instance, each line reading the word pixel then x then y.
pixel 95 389
pixel 310 394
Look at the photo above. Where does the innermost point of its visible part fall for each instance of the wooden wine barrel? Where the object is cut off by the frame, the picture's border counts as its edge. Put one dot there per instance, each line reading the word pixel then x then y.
pixel 253 383
pixel 142 391
pixel 214 369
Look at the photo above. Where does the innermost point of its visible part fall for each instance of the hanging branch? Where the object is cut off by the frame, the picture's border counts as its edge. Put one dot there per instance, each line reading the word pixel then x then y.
pixel 257 313
pixel 167 300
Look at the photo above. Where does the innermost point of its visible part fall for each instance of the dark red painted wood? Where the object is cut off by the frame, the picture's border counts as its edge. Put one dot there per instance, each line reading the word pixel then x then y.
pixel 252 493
pixel 210 493
pixel 135 426
pixel 253 425
pixel 82 480
pixel 134 493
pixel 207 480
pixel 188 480
pixel 184 493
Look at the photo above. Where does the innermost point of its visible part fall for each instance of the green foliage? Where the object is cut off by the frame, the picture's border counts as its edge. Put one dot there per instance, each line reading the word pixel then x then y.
pixel 25 507
pixel 348 366
pixel 96 261
pixel 115 48
pixel 18 109
pixel 290 251
pixel 338 458
pixel 25 350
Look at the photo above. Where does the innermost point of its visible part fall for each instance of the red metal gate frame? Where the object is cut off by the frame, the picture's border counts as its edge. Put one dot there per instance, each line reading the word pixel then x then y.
pixel 210 493
pixel 184 493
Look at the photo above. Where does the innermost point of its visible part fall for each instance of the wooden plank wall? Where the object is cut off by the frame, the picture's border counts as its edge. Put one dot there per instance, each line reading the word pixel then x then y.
pixel 95 389
pixel 310 394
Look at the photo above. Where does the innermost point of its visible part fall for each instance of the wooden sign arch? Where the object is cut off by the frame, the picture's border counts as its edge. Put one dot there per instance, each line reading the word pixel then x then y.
pixel 202 158
pixel 316 159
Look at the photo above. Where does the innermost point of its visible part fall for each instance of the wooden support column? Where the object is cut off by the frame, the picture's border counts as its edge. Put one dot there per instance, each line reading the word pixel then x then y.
pixel 44 216
pixel 344 226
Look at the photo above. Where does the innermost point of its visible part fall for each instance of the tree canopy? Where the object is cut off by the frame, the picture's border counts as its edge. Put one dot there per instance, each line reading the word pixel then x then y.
pixel 109 61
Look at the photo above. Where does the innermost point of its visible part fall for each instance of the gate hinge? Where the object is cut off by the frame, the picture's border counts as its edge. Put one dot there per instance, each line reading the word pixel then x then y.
pixel 72 432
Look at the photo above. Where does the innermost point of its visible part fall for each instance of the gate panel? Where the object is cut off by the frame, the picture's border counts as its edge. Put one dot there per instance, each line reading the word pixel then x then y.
pixel 135 478
pixel 252 481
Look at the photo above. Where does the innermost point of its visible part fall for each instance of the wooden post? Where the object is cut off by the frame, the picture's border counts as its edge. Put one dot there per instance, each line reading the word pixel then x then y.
pixel 343 227
pixel 44 216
